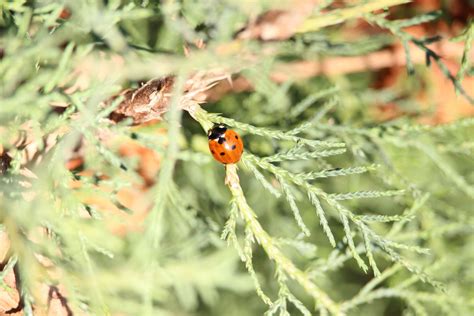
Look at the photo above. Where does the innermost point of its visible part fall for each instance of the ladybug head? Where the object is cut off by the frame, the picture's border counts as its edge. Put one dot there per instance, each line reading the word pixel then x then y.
pixel 216 131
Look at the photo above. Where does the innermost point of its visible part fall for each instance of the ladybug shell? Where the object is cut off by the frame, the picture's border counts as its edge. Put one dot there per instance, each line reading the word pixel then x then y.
pixel 225 145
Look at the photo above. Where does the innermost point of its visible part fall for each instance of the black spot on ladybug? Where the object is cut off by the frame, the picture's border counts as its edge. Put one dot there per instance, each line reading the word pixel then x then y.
pixel 221 140
pixel 233 147
pixel 212 151
pixel 236 137
pixel 222 153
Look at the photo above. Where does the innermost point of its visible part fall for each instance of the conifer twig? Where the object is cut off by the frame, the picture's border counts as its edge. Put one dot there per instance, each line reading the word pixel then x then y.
pixel 338 16
pixel 271 248
pixel 431 55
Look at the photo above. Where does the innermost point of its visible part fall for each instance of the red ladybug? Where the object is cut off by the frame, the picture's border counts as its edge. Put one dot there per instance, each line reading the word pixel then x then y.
pixel 225 144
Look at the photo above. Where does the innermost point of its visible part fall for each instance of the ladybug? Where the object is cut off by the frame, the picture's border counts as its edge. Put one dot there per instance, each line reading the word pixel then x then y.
pixel 225 145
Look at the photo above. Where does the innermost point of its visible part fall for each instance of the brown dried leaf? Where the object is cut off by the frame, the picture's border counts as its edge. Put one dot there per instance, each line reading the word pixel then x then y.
pixel 151 101
pixel 9 297
pixel 146 103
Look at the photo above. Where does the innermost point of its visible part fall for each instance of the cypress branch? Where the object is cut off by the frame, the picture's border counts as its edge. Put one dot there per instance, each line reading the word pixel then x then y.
pixel 272 250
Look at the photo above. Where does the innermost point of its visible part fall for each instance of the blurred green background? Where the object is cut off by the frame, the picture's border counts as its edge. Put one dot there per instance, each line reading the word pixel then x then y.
pixel 108 217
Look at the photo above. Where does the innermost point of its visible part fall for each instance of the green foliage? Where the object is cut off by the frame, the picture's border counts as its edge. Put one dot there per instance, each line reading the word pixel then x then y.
pixel 468 38
pixel 331 212
pixel 396 29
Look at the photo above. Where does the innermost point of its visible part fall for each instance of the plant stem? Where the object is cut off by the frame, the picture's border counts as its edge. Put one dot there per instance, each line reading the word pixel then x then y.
pixel 318 22
pixel 269 246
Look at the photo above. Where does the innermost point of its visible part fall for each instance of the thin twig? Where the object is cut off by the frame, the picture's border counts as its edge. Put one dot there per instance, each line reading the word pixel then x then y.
pixel 269 246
